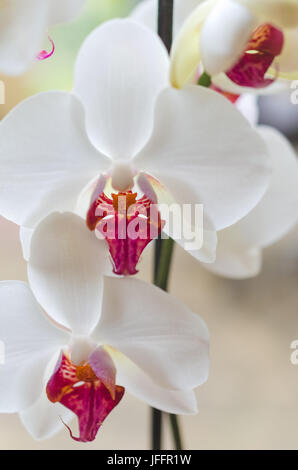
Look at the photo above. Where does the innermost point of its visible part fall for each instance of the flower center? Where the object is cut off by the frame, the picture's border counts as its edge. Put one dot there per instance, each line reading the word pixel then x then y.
pixel 264 46
pixel 86 374
pixel 122 201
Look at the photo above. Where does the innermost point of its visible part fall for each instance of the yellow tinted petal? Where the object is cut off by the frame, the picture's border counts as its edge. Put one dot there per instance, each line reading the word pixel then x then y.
pixel 185 55
pixel 283 13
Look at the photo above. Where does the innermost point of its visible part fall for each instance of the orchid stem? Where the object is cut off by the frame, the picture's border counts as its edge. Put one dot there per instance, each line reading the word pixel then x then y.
pixel 156 429
pixel 165 22
pixel 174 420
pixel 164 248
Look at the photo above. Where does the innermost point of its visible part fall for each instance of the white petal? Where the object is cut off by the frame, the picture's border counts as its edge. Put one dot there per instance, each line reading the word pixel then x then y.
pixel 121 68
pixel 222 81
pixel 23 26
pixel 44 419
pixel 202 140
pixel 65 271
pixel 46 158
pixel 22 29
pixel 182 9
pixel 30 340
pixel 25 238
pixel 239 246
pixel 146 13
pixel 225 35
pixel 187 224
pixel 283 13
pixel 277 212
pixel 156 331
pixel 139 384
pixel 185 53
pixel 248 105
pixel 234 259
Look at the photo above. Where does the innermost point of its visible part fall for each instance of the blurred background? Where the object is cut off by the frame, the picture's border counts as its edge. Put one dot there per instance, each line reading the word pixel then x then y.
pixel 251 398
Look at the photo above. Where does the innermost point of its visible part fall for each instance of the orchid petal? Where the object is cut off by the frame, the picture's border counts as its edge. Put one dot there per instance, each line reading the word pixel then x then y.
pixel 235 260
pixel 65 271
pixel 185 54
pixel 282 13
pixel 276 214
pixel 155 331
pixel 119 89
pixel 225 163
pixel 23 26
pixel 248 105
pixel 29 340
pixel 195 235
pixel 222 81
pixel 239 246
pixel 143 387
pixel 45 157
pixel 225 35
pixel 45 419
pixel 25 238
pixel 22 29
pixel 146 13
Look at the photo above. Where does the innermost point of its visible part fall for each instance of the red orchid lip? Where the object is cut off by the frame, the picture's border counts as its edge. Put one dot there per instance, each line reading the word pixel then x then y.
pixel 80 390
pixel 264 46
pixel 112 218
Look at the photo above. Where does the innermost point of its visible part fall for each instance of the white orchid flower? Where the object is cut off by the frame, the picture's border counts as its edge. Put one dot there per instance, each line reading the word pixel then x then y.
pixel 103 333
pixel 24 25
pixel 239 248
pixel 238 42
pixel 124 121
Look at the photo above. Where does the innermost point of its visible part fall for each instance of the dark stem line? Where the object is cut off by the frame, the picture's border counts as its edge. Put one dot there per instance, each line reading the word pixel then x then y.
pixel 165 22
pixel 156 418
pixel 164 248
pixel 174 420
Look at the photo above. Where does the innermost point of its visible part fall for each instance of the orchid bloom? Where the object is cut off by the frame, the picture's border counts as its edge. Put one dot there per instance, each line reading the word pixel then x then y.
pixel 24 25
pixel 101 336
pixel 124 124
pixel 241 44
pixel 239 247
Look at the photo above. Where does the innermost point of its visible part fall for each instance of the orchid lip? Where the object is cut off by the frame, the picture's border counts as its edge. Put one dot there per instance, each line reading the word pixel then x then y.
pixel 127 224
pixel 88 393
pixel 264 46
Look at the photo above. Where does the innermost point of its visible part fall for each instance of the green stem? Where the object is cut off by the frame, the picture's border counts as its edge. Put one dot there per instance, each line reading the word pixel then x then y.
pixel 164 248
pixel 174 420
pixel 156 418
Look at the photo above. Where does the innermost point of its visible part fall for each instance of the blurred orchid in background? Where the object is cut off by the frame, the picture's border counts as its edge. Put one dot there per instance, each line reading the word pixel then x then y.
pixel 241 44
pixel 124 122
pixel 101 331
pixel 24 25
pixel 239 247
